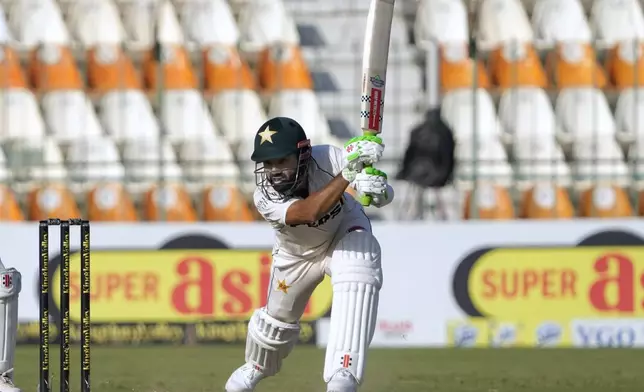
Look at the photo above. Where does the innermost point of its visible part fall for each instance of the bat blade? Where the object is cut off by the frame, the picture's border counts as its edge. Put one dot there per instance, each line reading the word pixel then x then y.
pixel 374 65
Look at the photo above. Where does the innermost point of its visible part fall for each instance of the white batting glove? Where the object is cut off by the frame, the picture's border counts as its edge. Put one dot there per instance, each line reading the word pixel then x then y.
pixel 372 182
pixel 361 151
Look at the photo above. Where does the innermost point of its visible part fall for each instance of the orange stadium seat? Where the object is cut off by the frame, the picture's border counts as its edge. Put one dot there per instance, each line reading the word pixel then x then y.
pixel 282 67
pixel 457 69
pixel 11 74
pixel 640 203
pixel 517 64
pixel 170 203
pixel 225 203
pixel 52 67
pixel 108 68
pixel 488 202
pixel 110 202
pixel 52 200
pixel 546 202
pixel 177 69
pixel 226 70
pixel 625 64
pixel 575 65
pixel 605 201
pixel 9 207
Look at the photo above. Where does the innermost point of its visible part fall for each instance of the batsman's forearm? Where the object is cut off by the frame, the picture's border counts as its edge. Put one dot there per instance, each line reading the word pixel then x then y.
pixel 318 203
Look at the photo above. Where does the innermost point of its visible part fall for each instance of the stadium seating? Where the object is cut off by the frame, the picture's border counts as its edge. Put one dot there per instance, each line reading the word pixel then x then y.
pixel 134 110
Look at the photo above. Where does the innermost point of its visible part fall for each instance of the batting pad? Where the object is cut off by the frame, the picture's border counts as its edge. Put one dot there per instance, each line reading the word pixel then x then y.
pixel 356 277
pixel 269 341
pixel 10 286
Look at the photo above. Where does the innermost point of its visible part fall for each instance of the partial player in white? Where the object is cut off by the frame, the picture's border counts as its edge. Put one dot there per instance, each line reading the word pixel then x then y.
pixel 320 230
pixel 10 286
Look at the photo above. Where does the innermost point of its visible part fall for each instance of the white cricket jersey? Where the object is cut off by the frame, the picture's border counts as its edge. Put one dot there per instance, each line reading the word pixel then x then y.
pixel 305 242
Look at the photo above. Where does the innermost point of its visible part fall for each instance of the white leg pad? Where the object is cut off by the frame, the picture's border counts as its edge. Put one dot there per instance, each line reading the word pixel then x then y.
pixel 356 276
pixel 269 341
pixel 10 286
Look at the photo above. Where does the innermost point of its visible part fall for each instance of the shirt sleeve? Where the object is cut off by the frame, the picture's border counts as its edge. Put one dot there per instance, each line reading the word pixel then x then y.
pixel 274 212
pixel 336 157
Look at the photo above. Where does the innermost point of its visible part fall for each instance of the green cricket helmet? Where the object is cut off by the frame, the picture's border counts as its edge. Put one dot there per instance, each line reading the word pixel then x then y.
pixel 280 138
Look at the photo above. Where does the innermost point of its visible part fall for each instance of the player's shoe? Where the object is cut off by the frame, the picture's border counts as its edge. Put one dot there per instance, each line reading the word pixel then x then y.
pixel 244 379
pixel 6 384
pixel 342 381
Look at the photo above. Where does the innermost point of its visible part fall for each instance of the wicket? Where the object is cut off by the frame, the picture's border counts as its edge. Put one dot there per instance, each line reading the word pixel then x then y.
pixel 64 302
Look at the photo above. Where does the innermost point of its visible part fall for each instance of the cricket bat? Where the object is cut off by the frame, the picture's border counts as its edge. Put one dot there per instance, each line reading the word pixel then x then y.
pixel 374 70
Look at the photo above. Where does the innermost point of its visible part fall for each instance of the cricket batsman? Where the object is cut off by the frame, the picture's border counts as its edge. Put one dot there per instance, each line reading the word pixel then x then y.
pixel 320 230
pixel 10 286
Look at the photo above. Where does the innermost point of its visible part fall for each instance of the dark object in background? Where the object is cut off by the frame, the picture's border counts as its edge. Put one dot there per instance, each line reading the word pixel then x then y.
pixel 429 159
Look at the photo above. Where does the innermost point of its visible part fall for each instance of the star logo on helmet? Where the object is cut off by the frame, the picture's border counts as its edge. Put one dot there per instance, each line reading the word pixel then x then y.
pixel 266 135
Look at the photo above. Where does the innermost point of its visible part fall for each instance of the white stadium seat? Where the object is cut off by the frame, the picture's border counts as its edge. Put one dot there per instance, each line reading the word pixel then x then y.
pixel 144 165
pixel 588 132
pixel 35 159
pixel 239 113
pixel 5 173
pixel 70 115
pixel 96 22
pixel 482 161
pixel 94 159
pixel 37 21
pixel 629 116
pixel 19 115
pixel 302 106
pixel 458 112
pixel 614 21
pixel 5 32
pixel 556 21
pixel 184 115
pixel 502 21
pixel 265 22
pixel 127 115
pixel 442 21
pixel 208 159
pixel 140 17
pixel 530 127
pixel 208 22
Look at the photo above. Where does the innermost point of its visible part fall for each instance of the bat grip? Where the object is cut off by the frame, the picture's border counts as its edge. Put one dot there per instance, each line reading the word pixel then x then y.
pixel 365 200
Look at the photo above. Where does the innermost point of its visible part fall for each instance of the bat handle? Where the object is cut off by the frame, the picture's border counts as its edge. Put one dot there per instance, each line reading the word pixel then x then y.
pixel 365 200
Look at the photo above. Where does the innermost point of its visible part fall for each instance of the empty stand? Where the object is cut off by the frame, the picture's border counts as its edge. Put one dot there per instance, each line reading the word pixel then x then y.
pixel 546 201
pixel 185 115
pixel 9 207
pixel 36 22
pixel 11 74
pixel 148 20
pixel 555 21
pixel 110 202
pixel 615 21
pixel 53 67
pixel 208 159
pixel 148 161
pixel 442 21
pixel 176 71
pixel 625 64
pixel 488 202
pixel 34 160
pixel 457 69
pixel 52 200
pixel 109 68
pixel 239 114
pixel 303 107
pixel 517 64
pixel 482 161
pixel 629 116
pixel 70 115
pixel 225 203
pixel 283 67
pixel 19 115
pixel 573 64
pixel 264 23
pixel 93 160
pixel 207 23
pixel 502 21
pixel 466 119
pixel 95 22
pixel 127 115
pixel 168 203
pixel 226 70
pixel 605 201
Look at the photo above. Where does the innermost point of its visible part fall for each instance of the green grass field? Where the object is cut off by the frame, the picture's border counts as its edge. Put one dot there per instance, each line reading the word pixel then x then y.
pixel 206 368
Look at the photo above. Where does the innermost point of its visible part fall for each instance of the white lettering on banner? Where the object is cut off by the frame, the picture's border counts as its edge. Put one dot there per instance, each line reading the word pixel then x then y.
pixel 425 299
pixel 606 333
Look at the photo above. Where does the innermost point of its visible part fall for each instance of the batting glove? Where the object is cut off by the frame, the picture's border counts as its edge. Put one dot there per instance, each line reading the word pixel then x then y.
pixel 372 182
pixel 361 151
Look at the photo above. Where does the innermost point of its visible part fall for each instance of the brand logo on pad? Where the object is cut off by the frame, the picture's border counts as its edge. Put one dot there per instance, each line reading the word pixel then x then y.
pixel 346 360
